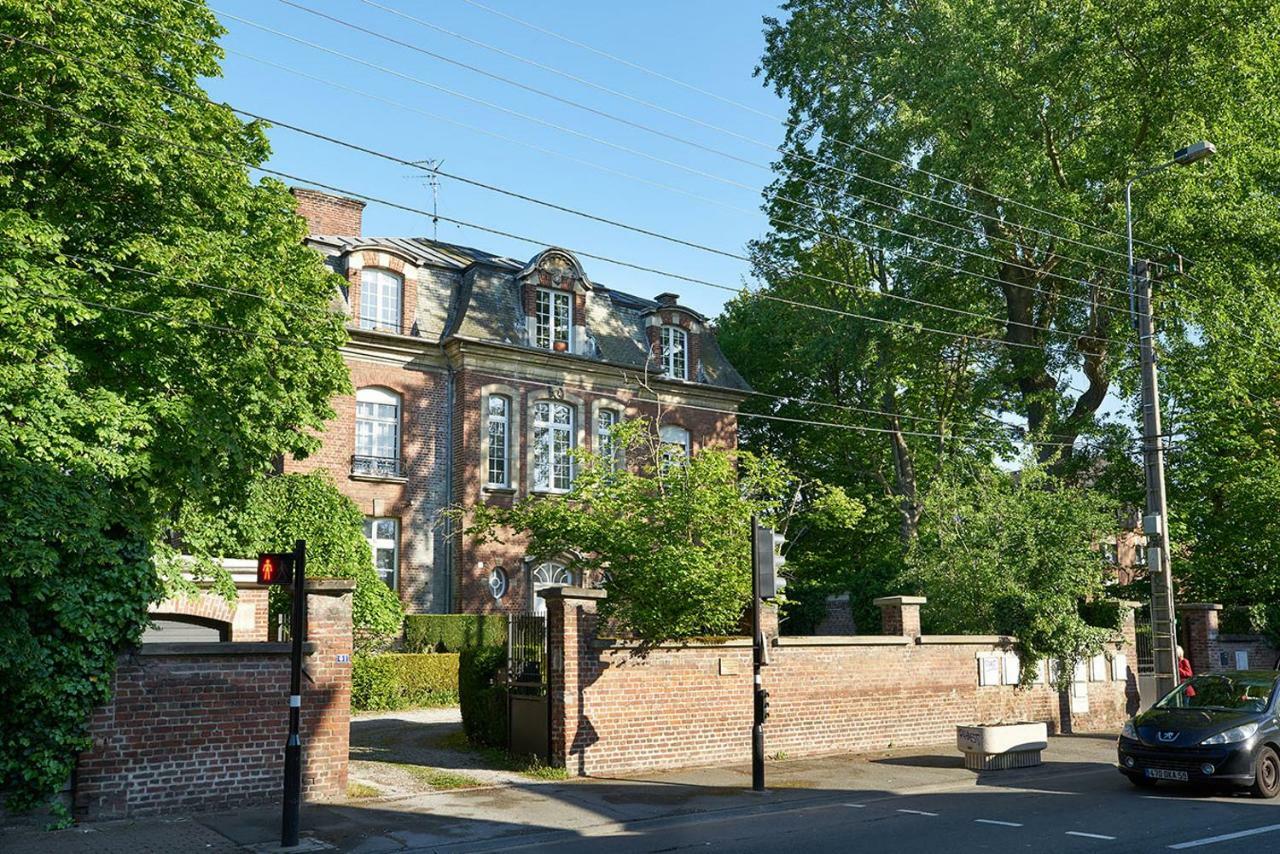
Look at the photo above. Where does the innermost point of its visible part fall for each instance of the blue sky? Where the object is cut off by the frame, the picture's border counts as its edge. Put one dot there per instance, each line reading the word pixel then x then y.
pixel 712 45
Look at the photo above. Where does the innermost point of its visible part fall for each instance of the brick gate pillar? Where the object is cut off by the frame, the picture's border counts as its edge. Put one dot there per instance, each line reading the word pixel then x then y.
pixel 900 615
pixel 326 688
pixel 571 623
pixel 1200 631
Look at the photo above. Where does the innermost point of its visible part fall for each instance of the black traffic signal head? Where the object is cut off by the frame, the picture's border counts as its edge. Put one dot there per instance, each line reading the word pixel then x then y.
pixel 275 568
pixel 769 561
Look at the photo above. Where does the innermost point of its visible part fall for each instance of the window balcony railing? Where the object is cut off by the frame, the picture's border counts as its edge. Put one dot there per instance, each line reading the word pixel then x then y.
pixel 375 466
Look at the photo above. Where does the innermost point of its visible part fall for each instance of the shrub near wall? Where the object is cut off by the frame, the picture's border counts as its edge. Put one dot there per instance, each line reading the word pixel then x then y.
pixel 453 632
pixel 483 700
pixel 403 680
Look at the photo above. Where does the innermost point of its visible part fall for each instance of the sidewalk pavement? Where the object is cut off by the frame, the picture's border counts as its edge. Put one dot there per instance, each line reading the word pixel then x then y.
pixel 530 812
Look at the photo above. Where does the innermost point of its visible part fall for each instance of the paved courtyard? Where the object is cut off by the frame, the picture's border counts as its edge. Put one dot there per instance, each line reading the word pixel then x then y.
pixel 918 801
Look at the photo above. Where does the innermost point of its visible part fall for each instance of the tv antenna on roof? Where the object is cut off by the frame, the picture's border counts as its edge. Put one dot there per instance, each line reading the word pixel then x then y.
pixel 432 168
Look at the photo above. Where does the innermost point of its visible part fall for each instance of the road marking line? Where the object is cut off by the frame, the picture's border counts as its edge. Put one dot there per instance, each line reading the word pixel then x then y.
pixel 857 806
pixel 1001 823
pixel 919 812
pixel 1196 843
pixel 1089 835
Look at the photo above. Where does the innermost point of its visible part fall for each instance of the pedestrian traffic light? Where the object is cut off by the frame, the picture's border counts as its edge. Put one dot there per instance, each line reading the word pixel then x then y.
pixel 275 568
pixel 769 560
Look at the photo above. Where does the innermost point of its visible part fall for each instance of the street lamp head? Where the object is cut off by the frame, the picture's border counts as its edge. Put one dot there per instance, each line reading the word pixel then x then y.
pixel 1192 153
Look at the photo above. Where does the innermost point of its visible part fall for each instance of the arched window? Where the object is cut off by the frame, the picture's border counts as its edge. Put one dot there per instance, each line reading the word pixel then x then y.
pixel 552 446
pixel 549 574
pixel 498 418
pixel 377 433
pixel 498 583
pixel 380 296
pixel 675 440
pixel 675 353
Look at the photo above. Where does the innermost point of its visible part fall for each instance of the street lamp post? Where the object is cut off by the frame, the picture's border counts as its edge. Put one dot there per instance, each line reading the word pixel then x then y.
pixel 1155 523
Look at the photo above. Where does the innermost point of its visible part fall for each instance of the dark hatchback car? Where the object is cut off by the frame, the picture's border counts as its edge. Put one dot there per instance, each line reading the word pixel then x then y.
pixel 1219 728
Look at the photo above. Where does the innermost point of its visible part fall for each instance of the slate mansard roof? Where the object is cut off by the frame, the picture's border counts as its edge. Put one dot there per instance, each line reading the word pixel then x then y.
pixel 476 295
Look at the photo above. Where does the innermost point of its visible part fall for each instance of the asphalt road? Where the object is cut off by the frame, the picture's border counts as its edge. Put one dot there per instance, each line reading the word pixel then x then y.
pixel 1089 811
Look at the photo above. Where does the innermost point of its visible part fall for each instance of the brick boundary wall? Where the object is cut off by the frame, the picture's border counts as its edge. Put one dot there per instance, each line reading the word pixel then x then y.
pixel 203 726
pixel 617 708
pixel 1205 645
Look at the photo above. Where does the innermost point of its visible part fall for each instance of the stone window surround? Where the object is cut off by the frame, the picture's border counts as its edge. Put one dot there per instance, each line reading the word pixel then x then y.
pixel 356 260
pixel 554 394
pixel 693 328
pixel 514 443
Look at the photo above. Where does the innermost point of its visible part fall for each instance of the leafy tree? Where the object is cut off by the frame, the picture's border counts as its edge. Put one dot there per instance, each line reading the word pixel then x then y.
pixel 669 536
pixel 279 511
pixel 1014 553
pixel 123 393
pixel 1056 106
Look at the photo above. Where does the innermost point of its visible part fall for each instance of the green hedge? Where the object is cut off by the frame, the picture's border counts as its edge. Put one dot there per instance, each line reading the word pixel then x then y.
pixel 483 702
pixel 453 632
pixel 403 680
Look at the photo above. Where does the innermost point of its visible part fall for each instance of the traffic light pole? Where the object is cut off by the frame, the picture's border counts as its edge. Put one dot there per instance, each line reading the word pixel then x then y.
pixel 757 659
pixel 1164 631
pixel 292 815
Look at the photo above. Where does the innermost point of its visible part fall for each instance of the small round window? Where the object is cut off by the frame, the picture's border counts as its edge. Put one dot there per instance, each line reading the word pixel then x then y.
pixel 498 582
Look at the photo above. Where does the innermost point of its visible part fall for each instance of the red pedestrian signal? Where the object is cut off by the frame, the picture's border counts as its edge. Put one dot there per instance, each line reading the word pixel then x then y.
pixel 275 568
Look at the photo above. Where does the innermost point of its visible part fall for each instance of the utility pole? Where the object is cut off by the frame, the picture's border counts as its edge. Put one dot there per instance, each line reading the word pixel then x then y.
pixel 1155 524
pixel 757 660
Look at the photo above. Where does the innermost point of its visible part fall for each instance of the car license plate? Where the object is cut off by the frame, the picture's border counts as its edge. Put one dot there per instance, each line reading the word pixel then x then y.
pixel 1166 774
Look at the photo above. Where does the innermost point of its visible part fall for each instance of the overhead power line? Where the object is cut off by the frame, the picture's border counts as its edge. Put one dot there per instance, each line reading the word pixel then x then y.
pixel 828 164
pixel 1038 271
pixel 793 124
pixel 647 232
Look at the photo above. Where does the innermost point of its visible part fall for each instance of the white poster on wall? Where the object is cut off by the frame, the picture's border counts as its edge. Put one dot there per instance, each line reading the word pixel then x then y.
pixel 1242 659
pixel 989 670
pixel 1120 668
pixel 1012 668
pixel 1098 668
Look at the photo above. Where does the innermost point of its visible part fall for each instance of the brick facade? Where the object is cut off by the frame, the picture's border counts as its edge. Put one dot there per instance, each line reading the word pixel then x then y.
pixel 467 330
pixel 617 709
pixel 203 726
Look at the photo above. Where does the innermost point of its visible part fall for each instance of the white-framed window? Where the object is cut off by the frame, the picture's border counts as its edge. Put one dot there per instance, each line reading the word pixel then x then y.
pixel 675 353
pixel 383 535
pixel 606 444
pixel 675 440
pixel 554 320
pixel 552 446
pixel 549 574
pixel 498 582
pixel 498 415
pixel 377 433
pixel 380 292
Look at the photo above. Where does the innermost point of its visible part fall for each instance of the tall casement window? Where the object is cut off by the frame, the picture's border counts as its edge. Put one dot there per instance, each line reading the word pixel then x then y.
pixel 552 446
pixel 380 292
pixel 499 426
pixel 554 320
pixel 377 433
pixel 384 541
pixel 675 353
pixel 606 444
pixel 675 443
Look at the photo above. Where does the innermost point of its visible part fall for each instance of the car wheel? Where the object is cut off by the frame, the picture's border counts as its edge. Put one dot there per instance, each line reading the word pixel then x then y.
pixel 1266 780
pixel 1141 782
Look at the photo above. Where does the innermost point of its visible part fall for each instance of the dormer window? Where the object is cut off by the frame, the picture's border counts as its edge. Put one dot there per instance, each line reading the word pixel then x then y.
pixel 675 353
pixel 553 321
pixel 380 298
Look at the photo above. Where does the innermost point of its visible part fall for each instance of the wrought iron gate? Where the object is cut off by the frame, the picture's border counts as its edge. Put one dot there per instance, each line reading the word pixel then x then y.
pixel 528 707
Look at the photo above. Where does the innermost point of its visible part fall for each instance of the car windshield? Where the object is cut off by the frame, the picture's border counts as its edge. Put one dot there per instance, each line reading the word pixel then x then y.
pixel 1233 692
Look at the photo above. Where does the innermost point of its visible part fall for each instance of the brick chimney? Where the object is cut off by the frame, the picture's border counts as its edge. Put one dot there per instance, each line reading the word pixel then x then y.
pixel 667 300
pixel 329 214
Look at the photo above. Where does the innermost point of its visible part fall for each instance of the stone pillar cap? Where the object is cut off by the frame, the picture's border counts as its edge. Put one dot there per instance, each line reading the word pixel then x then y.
pixel 321 585
pixel 1199 606
pixel 567 592
pixel 884 601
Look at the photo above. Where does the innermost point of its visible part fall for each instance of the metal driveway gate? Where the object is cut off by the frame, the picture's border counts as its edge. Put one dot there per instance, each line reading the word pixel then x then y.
pixel 528 708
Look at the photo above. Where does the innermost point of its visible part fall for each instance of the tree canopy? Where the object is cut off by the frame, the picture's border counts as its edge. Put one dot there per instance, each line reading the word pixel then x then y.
pixel 164 335
pixel 956 168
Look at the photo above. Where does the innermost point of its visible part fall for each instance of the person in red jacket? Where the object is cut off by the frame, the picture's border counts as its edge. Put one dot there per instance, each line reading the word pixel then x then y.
pixel 1184 667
